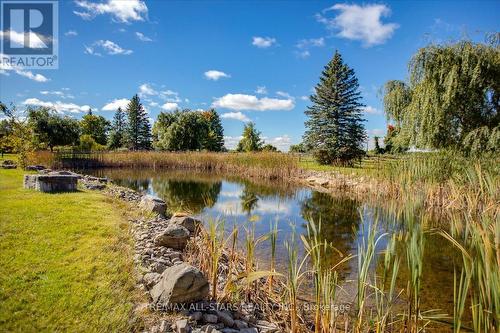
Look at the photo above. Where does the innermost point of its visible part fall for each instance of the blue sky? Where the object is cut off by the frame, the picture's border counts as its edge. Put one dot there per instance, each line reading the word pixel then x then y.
pixel 252 60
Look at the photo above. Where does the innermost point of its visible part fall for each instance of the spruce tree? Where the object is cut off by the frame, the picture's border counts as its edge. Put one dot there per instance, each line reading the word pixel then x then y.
pixel 250 140
pixel 139 128
pixel 334 131
pixel 117 136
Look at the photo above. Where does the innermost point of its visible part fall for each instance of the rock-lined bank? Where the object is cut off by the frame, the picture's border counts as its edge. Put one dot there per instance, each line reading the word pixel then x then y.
pixel 175 293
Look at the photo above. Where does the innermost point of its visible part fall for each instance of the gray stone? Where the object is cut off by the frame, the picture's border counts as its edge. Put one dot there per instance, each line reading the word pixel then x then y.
pixel 196 316
pixel 174 236
pixel 8 164
pixel 187 222
pixel 150 279
pixel 240 324
pixel 225 318
pixel 151 204
pixel 182 326
pixel 52 182
pixel 229 330
pixel 34 168
pixel 210 318
pixel 249 330
pixel 180 284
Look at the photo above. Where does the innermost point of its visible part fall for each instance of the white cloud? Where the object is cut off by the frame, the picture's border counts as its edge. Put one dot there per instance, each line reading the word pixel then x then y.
pixel 71 33
pixel 284 94
pixel 142 37
pixel 249 102
pixel 58 105
pixel 6 68
pixel 122 11
pixel 153 104
pixel 215 75
pixel 107 46
pixel 360 23
pixel 236 116
pixel 230 142
pixel 371 110
pixel 303 54
pixel 18 38
pixel 263 42
pixel 169 106
pixel 261 90
pixel 60 93
pixel 281 142
pixel 312 42
pixel 115 104
pixel 145 89
pixel 304 98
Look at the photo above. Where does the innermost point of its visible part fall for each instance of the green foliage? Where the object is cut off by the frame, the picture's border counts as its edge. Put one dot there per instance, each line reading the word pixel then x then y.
pixel 378 149
pixel 215 136
pixel 482 140
pixel 50 129
pixel 6 132
pixel 298 148
pixel 117 136
pixel 187 131
pixel 452 90
pixel 334 130
pixel 95 126
pixel 87 143
pixel 138 129
pixel 251 140
pixel 269 147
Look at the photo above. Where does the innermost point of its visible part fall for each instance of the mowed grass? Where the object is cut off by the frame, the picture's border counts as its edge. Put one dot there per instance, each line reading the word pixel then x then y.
pixel 65 261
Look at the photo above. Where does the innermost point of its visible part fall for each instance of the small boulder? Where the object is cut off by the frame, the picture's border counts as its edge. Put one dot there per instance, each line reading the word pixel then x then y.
pixel 152 204
pixel 187 222
pixel 174 236
pixel 8 164
pixel 180 284
pixel 225 318
pixel 34 168
pixel 150 279
pixel 182 326
pixel 210 318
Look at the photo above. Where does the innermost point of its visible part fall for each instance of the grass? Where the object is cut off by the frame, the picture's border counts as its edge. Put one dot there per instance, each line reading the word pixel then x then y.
pixel 64 264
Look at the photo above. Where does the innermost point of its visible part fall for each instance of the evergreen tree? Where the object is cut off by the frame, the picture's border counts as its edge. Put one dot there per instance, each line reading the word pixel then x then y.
pixel 138 129
pixel 335 131
pixel 251 140
pixel 215 137
pixel 117 136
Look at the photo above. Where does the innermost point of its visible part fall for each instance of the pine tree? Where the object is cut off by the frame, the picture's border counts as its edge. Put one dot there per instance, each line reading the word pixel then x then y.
pixel 117 136
pixel 335 131
pixel 215 136
pixel 139 128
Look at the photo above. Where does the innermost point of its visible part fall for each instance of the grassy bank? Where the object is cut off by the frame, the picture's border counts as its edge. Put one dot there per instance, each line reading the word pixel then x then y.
pixel 65 261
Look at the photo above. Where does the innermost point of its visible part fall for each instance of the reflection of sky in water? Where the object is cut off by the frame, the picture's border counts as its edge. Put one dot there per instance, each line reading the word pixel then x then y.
pixel 239 201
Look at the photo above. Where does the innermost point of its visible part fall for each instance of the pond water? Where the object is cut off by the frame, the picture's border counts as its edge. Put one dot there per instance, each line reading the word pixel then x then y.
pixel 256 204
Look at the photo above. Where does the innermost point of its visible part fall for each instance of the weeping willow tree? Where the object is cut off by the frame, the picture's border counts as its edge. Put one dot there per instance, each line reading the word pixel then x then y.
pixel 452 90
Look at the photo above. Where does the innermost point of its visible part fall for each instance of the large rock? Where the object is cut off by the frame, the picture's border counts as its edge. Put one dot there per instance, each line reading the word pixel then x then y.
pixel 52 182
pixel 180 284
pixel 187 222
pixel 152 204
pixel 174 236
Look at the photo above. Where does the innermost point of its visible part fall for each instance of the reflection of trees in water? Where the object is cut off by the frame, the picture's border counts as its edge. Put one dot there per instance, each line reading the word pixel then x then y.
pixel 187 196
pixel 340 222
pixel 249 200
pixel 136 184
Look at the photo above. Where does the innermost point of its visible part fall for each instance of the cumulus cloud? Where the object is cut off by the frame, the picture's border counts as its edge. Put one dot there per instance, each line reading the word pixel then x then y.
pixel 304 45
pixel 58 105
pixel 145 89
pixel 169 106
pixel 120 10
pixel 71 33
pixel 106 46
pixel 371 110
pixel 6 69
pixel 236 116
pixel 282 142
pixel 263 42
pixel 115 104
pixel 250 102
pixel 261 90
pixel 361 23
pixel 18 38
pixel 230 142
pixel 215 75
pixel 142 37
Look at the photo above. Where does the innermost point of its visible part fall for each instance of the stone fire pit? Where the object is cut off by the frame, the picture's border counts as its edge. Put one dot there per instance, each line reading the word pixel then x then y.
pixel 52 182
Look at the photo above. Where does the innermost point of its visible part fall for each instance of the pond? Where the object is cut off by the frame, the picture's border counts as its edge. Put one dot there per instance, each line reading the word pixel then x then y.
pixel 254 205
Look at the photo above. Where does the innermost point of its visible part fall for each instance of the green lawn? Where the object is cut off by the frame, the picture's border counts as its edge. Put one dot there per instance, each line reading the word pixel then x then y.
pixel 371 165
pixel 65 261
